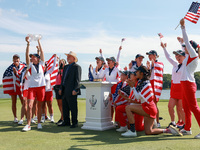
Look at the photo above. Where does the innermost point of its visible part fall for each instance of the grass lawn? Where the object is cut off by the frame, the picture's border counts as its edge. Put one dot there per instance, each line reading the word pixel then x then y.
pixel 53 137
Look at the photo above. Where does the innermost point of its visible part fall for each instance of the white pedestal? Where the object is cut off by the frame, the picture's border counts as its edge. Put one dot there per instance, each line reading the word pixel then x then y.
pixel 98 107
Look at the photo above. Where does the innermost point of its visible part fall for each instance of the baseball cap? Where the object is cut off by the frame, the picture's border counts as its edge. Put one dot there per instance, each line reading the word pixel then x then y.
pixel 124 72
pixel 16 55
pixel 36 55
pixel 100 58
pixel 111 58
pixel 179 52
pixel 138 55
pixel 152 52
pixel 194 44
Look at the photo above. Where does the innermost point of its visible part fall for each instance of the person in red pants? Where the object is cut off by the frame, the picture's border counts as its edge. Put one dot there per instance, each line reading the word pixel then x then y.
pixel 121 116
pixel 188 82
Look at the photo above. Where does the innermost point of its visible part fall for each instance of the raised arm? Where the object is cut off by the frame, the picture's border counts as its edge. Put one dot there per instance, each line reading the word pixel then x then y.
pixel 27 51
pixel 190 49
pixel 169 58
pixel 100 51
pixel 118 55
pixel 41 51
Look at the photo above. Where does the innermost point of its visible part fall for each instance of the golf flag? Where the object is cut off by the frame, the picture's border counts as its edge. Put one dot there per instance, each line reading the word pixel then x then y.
pixel 193 13
pixel 123 39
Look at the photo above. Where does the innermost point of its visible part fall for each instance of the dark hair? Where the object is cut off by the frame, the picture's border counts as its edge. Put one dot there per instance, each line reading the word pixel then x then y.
pixel 146 73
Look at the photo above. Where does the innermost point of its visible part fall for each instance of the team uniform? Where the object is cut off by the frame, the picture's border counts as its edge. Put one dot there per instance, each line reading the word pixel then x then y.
pixel 156 79
pixel 37 81
pixel 99 74
pixel 121 116
pixel 175 91
pixel 188 84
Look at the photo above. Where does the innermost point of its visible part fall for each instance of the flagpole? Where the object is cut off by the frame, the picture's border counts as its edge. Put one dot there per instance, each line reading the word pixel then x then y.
pixel 177 26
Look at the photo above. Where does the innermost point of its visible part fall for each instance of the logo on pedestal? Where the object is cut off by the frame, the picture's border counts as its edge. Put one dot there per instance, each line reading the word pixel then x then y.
pixel 106 100
pixel 93 102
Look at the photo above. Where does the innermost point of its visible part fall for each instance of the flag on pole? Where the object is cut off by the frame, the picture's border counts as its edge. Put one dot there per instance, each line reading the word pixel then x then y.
pixel 160 35
pixel 193 13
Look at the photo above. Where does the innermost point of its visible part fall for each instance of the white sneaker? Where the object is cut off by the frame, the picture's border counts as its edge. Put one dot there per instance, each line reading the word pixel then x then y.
pixel 184 132
pixel 33 121
pixel 43 119
pixel 15 120
pixel 39 126
pixel 35 118
pixel 122 129
pixel 20 122
pixel 174 131
pixel 26 128
pixel 47 118
pixel 158 125
pixel 129 133
pixel 197 136
pixel 52 119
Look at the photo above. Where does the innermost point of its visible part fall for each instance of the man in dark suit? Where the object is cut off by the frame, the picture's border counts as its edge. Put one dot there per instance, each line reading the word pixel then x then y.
pixel 70 88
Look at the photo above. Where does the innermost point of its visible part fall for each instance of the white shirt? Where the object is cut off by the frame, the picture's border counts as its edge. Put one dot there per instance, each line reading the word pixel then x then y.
pixel 36 79
pixel 99 74
pixel 190 62
pixel 114 76
pixel 175 75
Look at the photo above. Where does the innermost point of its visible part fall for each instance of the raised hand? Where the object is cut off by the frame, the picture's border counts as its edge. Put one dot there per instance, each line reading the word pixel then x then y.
pixel 163 45
pixel 148 64
pixel 120 48
pixel 180 39
pixel 100 51
pixel 27 39
pixel 182 22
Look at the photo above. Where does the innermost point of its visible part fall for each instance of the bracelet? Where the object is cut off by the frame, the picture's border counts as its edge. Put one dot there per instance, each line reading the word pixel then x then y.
pixel 28 44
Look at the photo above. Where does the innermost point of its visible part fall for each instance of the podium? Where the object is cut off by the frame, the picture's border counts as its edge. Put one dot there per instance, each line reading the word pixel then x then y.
pixel 98 106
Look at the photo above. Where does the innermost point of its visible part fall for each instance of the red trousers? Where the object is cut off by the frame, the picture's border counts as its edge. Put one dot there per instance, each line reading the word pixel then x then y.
pixel 121 117
pixel 190 103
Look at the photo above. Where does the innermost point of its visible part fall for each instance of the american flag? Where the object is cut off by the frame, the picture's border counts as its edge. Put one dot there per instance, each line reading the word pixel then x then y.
pixel 10 81
pixel 55 72
pixel 146 92
pixel 160 35
pixel 158 78
pixel 193 13
pixel 126 92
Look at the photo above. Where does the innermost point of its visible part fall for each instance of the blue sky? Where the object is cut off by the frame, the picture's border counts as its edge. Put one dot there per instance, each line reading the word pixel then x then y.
pixel 85 26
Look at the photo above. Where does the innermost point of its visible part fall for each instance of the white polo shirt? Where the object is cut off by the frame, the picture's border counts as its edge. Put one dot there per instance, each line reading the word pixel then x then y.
pixel 37 79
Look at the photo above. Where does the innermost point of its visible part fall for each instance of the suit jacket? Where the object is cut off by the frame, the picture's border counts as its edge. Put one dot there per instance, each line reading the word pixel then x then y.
pixel 72 80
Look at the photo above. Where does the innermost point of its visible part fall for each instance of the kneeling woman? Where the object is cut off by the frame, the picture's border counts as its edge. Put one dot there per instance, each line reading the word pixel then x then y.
pixel 144 92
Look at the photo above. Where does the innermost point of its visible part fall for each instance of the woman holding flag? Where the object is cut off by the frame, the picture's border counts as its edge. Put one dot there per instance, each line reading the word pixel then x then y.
pixel 144 92
pixel 156 78
pixel 188 82
pixel 12 83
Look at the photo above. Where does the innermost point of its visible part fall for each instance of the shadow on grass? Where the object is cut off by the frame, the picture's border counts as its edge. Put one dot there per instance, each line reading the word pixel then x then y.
pixel 94 138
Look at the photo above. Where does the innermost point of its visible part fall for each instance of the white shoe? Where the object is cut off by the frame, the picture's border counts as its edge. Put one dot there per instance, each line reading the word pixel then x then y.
pixel 35 118
pixel 52 119
pixel 184 132
pixel 129 133
pixel 174 131
pixel 26 128
pixel 197 136
pixel 15 120
pixel 122 129
pixel 48 118
pixel 20 122
pixel 39 126
pixel 43 119
pixel 33 121
pixel 158 125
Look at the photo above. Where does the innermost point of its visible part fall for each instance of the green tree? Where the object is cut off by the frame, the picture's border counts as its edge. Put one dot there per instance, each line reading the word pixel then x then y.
pixel 167 81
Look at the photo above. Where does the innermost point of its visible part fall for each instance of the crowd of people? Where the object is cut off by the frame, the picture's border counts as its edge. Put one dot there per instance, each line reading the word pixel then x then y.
pixel 135 96
pixel 133 99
